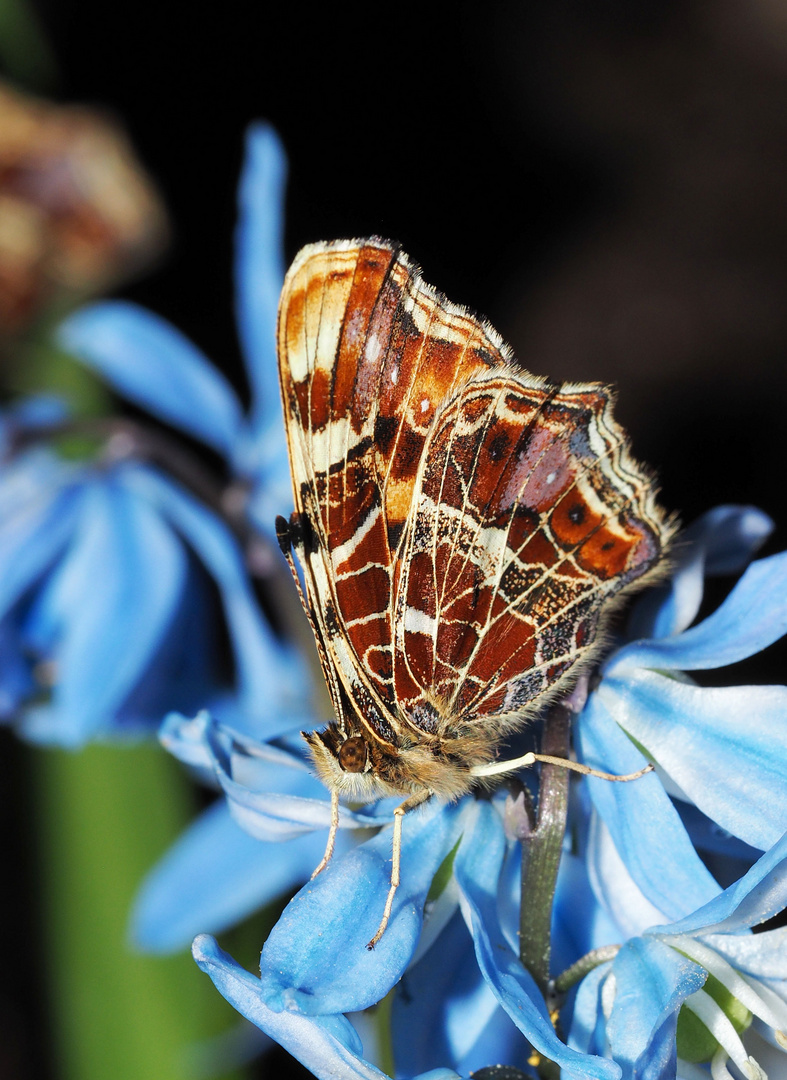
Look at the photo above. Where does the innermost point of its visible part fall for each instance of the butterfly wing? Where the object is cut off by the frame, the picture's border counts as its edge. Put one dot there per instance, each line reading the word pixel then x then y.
pixel 530 517
pixel 367 354
pixel 464 526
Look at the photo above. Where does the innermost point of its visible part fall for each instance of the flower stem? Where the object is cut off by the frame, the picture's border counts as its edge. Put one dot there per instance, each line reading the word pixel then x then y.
pixel 541 849
pixel 574 974
pixel 541 852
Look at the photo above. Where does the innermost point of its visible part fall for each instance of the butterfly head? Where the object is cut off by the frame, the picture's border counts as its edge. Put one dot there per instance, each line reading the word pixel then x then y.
pixel 344 762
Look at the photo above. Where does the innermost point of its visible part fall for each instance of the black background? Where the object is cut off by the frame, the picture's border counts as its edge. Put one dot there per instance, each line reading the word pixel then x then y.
pixel 605 181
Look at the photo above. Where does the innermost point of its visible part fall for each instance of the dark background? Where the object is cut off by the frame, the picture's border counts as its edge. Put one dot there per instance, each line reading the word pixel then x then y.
pixel 604 180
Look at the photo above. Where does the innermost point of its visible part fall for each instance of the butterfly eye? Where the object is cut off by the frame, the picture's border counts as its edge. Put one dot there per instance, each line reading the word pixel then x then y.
pixel 353 754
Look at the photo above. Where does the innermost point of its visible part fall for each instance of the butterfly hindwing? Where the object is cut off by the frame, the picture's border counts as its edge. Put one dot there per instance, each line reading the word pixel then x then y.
pixel 526 523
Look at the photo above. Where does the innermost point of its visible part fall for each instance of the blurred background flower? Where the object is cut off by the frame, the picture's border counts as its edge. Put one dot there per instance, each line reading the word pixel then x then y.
pixel 124 570
pixel 77 212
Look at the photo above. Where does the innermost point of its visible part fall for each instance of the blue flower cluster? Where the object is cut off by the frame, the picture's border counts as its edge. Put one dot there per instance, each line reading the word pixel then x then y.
pixel 110 573
pixel 111 566
pixel 637 880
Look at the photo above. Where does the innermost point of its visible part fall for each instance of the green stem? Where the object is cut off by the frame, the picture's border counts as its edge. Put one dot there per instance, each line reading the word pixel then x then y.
pixel 574 974
pixel 541 851
pixel 105 815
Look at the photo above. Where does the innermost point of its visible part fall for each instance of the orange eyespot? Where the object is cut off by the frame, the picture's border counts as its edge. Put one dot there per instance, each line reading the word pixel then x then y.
pixel 353 754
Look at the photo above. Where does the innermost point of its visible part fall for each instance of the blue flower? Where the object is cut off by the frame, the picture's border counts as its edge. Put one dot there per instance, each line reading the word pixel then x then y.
pixel 107 599
pixel 687 992
pixel 327 1045
pixel 111 567
pixel 150 363
pixel 720 753
pixel 464 999
pixel 233 860
pixel 315 968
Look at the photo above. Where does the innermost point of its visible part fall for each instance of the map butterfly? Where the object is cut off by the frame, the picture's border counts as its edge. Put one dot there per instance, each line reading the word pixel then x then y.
pixel 464 528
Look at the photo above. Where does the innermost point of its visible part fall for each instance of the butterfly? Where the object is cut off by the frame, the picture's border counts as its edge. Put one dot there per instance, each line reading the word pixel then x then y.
pixel 464 528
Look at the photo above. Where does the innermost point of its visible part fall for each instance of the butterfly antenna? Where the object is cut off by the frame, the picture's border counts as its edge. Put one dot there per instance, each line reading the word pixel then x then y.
pixel 284 536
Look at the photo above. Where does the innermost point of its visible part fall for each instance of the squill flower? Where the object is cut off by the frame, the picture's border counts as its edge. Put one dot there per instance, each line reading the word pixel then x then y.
pixel 314 966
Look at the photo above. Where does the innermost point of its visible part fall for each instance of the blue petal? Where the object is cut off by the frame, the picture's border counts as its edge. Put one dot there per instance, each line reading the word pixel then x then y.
pixel 275 796
pixel 188 668
pixel 753 616
pixel 500 1041
pixel 757 896
pixel 152 364
pixel 35 525
pixel 478 866
pixel 326 1045
pixel 184 738
pixel 763 955
pixel 652 981
pixel 720 542
pixel 271 677
pixel 712 839
pixel 36 413
pixel 256 764
pixel 214 876
pixel 732 535
pixel 259 269
pixel 108 605
pixel 726 748
pixel 16 676
pixel 624 902
pixel 273 803
pixel 442 1007
pixel 316 960
pixel 579 923
pixel 645 826
pixel 587 1034
pixel 32 477
pixel 273 816
pixel 259 273
pixel 192 740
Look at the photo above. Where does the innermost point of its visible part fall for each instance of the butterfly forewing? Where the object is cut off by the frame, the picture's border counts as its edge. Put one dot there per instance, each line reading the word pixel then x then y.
pixel 337 496
pixel 466 525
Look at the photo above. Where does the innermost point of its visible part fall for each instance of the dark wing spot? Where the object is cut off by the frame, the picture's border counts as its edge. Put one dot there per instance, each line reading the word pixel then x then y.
pixel 395 529
pixel 302 534
pixel 385 428
pixel 499 446
pixel 331 619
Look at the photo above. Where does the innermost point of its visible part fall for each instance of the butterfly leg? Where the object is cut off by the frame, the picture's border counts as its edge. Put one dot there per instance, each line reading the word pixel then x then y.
pixel 503 768
pixel 331 834
pixel 399 812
